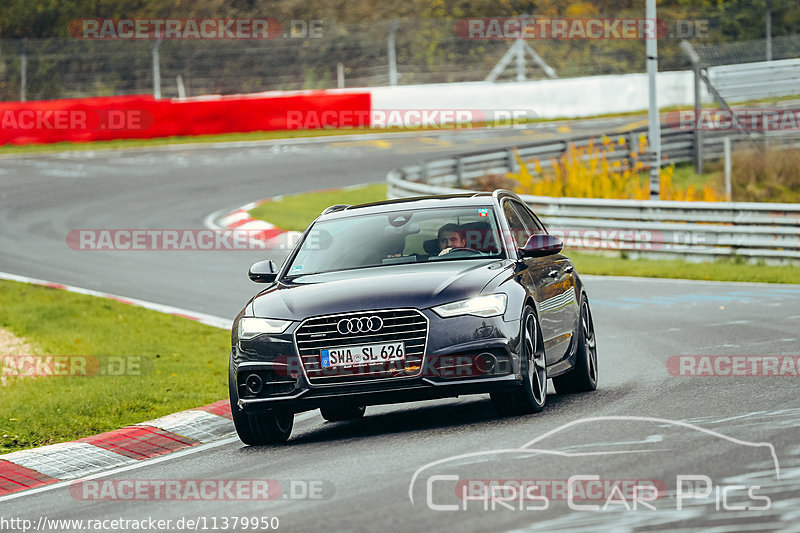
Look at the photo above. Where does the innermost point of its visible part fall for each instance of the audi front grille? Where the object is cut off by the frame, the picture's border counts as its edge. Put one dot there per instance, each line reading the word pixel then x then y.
pixel 352 329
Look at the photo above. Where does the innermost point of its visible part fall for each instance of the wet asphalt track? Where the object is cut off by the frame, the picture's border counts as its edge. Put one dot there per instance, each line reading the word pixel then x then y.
pixel 367 466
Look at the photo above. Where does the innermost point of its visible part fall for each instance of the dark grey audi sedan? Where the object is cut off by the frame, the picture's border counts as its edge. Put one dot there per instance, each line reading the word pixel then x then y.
pixel 407 300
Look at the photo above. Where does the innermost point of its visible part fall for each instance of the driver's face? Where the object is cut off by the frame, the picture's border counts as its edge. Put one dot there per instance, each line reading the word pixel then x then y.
pixel 450 239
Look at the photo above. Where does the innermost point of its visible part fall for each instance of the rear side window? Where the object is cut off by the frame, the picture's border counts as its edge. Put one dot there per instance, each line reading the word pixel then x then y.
pixel 519 230
pixel 533 224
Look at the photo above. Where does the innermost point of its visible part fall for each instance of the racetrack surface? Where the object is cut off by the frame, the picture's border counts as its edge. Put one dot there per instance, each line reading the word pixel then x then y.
pixel 367 466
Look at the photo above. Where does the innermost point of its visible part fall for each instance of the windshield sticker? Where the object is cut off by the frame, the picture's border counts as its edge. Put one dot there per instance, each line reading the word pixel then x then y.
pixel 483 212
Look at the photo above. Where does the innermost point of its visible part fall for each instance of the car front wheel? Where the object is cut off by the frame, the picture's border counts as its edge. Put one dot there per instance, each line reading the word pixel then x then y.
pixel 270 427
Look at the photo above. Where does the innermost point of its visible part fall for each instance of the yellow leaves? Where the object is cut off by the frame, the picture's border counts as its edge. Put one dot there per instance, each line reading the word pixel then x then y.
pixel 581 9
pixel 710 195
pixel 587 172
pixel 642 143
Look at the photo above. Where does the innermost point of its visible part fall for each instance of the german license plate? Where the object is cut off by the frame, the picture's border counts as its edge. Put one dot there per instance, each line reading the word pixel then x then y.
pixel 363 354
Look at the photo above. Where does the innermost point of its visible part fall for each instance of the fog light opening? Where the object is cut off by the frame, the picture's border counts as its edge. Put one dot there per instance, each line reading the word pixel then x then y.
pixel 487 362
pixel 254 384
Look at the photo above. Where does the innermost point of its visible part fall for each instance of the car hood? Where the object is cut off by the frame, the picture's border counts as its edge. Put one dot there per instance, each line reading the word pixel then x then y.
pixel 419 285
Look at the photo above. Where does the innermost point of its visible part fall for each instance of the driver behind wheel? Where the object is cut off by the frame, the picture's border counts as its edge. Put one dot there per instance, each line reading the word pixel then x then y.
pixel 451 237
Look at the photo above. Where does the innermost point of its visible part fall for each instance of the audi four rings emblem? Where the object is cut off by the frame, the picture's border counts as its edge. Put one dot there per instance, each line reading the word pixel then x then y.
pixel 364 324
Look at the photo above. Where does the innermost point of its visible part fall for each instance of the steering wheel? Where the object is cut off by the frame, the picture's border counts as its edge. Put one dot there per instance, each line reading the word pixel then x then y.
pixel 460 249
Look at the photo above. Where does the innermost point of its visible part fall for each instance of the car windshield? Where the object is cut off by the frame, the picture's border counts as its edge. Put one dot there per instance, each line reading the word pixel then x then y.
pixel 398 237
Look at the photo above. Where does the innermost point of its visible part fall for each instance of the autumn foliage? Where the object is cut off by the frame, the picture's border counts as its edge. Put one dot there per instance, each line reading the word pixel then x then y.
pixel 591 171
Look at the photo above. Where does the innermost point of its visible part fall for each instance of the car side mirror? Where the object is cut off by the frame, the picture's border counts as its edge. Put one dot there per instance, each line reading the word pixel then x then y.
pixel 263 272
pixel 541 245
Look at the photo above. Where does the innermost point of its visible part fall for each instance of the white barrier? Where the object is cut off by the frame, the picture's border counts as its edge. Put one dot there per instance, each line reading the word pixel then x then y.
pixel 559 98
pixel 750 81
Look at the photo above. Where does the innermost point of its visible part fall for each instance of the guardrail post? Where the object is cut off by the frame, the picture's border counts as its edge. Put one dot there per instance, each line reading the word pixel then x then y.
pixel 459 171
pixel 423 172
pixel 156 70
pixel 391 52
pixel 694 58
pixel 23 71
pixel 633 147
pixel 511 161
pixel 726 143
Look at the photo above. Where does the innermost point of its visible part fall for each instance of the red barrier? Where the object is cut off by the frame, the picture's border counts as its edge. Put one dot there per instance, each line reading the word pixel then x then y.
pixel 143 117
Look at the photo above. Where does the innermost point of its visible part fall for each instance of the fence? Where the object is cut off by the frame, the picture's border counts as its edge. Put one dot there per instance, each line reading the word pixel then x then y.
pixel 424 51
pixel 694 230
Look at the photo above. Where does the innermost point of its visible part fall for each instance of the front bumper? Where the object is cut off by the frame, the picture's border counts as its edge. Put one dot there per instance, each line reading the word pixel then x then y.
pixel 464 355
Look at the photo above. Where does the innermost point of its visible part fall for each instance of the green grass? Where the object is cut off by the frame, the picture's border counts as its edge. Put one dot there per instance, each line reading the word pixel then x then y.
pixel 684 176
pixel 183 365
pixel 720 270
pixel 164 141
pixel 297 211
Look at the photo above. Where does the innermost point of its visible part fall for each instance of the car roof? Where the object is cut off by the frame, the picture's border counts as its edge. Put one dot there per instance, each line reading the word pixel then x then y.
pixel 482 199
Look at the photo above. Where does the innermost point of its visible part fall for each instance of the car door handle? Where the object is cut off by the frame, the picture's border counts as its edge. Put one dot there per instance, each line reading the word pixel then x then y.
pixel 553 273
pixel 570 269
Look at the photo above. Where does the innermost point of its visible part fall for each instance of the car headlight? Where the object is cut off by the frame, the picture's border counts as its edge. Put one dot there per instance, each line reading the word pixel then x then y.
pixel 250 327
pixel 485 306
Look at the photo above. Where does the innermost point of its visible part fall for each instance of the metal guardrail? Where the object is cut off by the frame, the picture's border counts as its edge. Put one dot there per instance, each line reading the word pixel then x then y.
pixel 746 81
pixel 693 230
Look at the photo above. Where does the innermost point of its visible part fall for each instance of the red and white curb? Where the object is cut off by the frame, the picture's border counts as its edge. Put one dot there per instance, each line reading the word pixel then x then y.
pixel 27 469
pixel 271 236
pixel 268 235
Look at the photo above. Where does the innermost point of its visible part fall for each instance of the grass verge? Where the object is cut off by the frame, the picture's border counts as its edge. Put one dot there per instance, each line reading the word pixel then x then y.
pixel 181 364
pixel 719 270
pixel 297 211
pixel 167 141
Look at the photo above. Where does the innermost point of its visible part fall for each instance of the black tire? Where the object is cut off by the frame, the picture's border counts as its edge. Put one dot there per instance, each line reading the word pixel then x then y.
pixel 340 411
pixel 583 376
pixel 254 429
pixel 531 395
